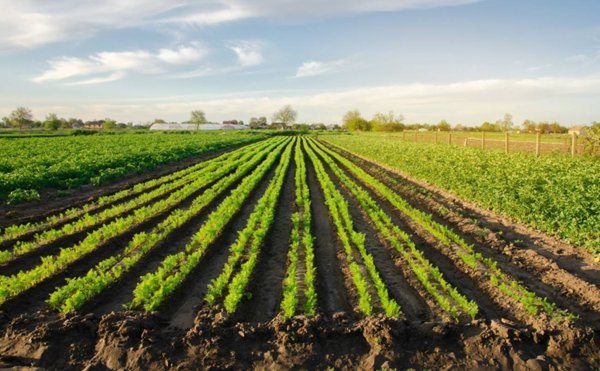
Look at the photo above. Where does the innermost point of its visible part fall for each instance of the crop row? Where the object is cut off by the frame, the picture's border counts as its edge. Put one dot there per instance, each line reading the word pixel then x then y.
pixel 15 231
pixel 447 296
pixel 244 251
pixel 301 245
pixel 349 237
pixel 558 195
pixel 466 252
pixel 80 290
pixel 52 264
pixel 155 287
pixel 85 221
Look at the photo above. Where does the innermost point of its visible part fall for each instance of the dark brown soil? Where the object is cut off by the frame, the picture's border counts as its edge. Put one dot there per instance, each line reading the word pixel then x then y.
pixel 185 334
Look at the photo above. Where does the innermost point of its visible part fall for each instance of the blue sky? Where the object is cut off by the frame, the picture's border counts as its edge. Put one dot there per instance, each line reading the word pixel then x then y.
pixel 466 61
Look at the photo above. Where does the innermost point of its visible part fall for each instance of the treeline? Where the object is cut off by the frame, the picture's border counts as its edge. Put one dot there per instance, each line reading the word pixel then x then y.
pixel 353 121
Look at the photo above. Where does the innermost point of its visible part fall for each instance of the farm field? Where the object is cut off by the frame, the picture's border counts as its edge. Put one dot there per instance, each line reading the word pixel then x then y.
pixel 554 194
pixel 30 165
pixel 293 252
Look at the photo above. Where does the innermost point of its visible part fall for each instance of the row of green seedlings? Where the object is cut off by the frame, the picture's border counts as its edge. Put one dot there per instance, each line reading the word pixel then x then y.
pixel 90 220
pixel 338 209
pixel 447 296
pixel 244 252
pixel 50 265
pixel 532 303
pixel 155 287
pixel 18 230
pixel 79 291
pixel 301 244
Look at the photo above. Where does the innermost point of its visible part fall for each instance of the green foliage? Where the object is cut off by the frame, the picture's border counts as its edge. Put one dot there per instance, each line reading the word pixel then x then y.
pixel 69 297
pixel 153 288
pixel 22 195
pixel 65 162
pixel 556 194
pixel 466 252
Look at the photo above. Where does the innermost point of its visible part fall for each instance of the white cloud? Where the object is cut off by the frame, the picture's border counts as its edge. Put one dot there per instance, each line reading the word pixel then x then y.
pixel 115 65
pixel 31 23
pixel 568 100
pixel 315 68
pixel 249 53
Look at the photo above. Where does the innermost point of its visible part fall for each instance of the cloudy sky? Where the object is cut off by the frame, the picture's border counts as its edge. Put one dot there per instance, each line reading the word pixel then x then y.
pixel 465 61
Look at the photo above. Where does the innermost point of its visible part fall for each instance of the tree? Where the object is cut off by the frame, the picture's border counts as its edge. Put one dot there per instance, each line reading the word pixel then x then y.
pixel 387 122
pixel 75 123
pixel 197 118
pixel 443 126
pixel 591 139
pixel 286 115
pixel 52 122
pixel 109 124
pixel 258 123
pixel 506 123
pixel 353 121
pixel 159 121
pixel 487 126
pixel 20 117
pixel 529 126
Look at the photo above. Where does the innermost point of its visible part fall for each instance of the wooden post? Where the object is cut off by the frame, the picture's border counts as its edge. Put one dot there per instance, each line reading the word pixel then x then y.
pixel 449 138
pixel 573 144
pixel 466 140
pixel 537 144
pixel 483 140
pixel 506 142
pixel 436 136
pixel 415 136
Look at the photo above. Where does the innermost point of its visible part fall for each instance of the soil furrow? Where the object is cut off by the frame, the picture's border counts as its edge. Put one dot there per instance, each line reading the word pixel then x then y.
pixel 266 284
pixel 330 282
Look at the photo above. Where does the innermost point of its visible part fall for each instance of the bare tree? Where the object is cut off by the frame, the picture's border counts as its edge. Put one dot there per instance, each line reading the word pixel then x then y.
pixel 198 118
pixel 286 115
pixel 20 117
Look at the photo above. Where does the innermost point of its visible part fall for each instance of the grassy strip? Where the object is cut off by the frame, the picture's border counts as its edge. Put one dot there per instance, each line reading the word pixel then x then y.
pixel 86 221
pixel 80 290
pixel 301 235
pixel 257 228
pixel 532 303
pixel 429 276
pixel 153 288
pixel 343 222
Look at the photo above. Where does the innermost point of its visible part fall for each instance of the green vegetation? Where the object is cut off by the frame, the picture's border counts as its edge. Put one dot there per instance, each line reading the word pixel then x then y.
pixel 78 291
pixel 301 244
pixel 155 287
pixel 558 195
pixel 349 237
pixel 475 260
pixel 64 162
pixel 448 297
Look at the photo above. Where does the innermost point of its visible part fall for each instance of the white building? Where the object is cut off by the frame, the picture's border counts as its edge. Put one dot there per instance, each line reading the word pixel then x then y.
pixel 193 127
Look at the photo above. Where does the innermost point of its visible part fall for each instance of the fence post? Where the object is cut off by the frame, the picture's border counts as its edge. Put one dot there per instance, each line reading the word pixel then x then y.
pixel 466 140
pixel 537 144
pixel 483 140
pixel 449 138
pixel 573 144
pixel 415 136
pixel 506 142
pixel 436 137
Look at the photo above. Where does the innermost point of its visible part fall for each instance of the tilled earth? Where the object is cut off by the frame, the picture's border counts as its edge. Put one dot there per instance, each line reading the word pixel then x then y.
pixel 185 334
